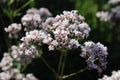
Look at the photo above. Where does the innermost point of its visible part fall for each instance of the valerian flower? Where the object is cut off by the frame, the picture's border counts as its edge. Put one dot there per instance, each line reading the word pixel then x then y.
pixel 37 36
pixel 14 74
pixel 66 29
pixel 115 76
pixel 34 17
pixel 13 30
pixel 113 1
pixel 103 15
pixel 6 62
pixel 31 21
pixel 43 12
pixel 23 53
pixel 115 12
pixel 95 54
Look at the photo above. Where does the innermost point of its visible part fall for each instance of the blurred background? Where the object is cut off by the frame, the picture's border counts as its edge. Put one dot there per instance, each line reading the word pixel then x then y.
pixel 106 32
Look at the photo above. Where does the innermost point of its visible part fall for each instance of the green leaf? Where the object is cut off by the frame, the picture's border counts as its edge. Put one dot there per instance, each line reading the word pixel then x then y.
pixel 10 2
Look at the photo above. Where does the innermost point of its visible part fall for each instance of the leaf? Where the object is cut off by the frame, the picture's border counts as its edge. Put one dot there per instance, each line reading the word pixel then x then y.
pixel 10 2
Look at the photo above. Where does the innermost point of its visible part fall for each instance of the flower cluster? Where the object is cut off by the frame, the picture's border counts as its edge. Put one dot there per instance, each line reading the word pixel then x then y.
pixel 6 62
pixel 14 74
pixel 23 53
pixel 34 18
pixel 113 14
pixel 59 32
pixel 43 12
pixel 28 50
pixel 66 29
pixel 48 24
pixel 113 1
pixel 104 16
pixel 115 76
pixel 96 55
pixel 13 30
pixel 36 36
pixel 31 21
pixel 8 70
pixel 68 21
pixel 73 23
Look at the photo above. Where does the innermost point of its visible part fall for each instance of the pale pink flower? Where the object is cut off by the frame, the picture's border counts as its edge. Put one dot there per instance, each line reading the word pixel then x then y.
pixel 13 30
pixel 6 62
pixel 66 29
pixel 31 21
pixel 115 76
pixel 103 15
pixel 32 11
pixel 113 1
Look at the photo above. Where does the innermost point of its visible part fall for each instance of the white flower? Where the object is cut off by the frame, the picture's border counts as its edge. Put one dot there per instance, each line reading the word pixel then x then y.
pixel 5 76
pixel 6 62
pixel 47 39
pixel 26 19
pixel 104 16
pixel 115 76
pixel 53 45
pixel 113 1
pixel 44 12
pixel 34 36
pixel 73 44
pixel 31 21
pixel 32 11
pixel 30 76
pixel 13 30
pixel 65 28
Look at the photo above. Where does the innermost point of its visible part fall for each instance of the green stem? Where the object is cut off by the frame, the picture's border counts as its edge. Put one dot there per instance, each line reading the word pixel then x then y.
pixel 73 74
pixel 63 64
pixel 24 67
pixel 25 5
pixel 64 54
pixel 49 66
pixel 60 62
pixel 45 62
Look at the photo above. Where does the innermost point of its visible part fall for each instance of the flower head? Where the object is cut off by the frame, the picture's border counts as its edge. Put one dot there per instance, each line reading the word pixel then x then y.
pixel 104 16
pixel 96 55
pixel 35 36
pixel 115 76
pixel 44 13
pixel 66 29
pixel 31 21
pixel 6 62
pixel 113 1
pixel 13 30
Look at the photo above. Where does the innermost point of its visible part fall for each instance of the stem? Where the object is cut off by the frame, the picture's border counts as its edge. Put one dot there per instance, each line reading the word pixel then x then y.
pixel 49 67
pixel 25 5
pixel 60 62
pixel 24 67
pixel 45 62
pixel 64 55
pixel 63 64
pixel 73 74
